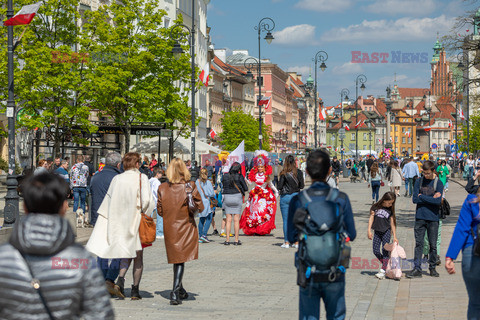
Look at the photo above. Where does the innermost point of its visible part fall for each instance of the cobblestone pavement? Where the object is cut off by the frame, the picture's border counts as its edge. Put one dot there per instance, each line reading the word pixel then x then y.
pixel 258 279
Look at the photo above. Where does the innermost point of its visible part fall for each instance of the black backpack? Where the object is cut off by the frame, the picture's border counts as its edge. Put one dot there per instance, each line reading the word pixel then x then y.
pixel 323 252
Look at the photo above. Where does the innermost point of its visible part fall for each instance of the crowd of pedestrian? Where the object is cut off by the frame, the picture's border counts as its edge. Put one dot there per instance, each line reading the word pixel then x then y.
pixel 122 188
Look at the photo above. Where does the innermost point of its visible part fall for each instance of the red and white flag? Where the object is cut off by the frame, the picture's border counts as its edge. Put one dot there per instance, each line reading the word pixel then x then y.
pixel 304 139
pixel 427 128
pixel 264 101
pixel 237 155
pixel 359 124
pixel 347 127
pixel 310 132
pixel 204 75
pixel 323 114
pixel 462 116
pixel 407 134
pixel 212 134
pixel 450 124
pixel 24 16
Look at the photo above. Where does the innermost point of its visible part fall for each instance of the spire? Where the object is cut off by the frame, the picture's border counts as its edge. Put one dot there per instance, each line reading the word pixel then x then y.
pixel 310 81
pixel 436 51
pixel 476 23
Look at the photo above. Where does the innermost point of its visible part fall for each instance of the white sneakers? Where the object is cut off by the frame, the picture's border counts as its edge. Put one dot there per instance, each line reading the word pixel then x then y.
pixel 160 237
pixel 381 274
pixel 285 245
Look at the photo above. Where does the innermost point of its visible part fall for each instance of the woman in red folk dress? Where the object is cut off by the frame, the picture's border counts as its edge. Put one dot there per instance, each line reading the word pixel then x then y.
pixel 259 214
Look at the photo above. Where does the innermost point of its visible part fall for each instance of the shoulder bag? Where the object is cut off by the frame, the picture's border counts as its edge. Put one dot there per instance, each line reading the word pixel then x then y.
pixel 35 283
pixel 147 229
pixel 236 187
pixel 192 206
pixel 476 242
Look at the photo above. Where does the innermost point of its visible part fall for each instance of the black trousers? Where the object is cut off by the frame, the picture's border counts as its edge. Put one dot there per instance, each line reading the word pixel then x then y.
pixel 431 227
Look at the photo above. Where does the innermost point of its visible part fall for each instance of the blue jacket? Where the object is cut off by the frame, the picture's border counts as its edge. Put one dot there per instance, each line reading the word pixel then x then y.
pixel 99 187
pixel 462 235
pixel 207 193
pixel 428 207
pixel 343 202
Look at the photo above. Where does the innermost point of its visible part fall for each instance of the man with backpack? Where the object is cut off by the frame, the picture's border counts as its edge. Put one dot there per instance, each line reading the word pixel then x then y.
pixel 427 194
pixel 321 220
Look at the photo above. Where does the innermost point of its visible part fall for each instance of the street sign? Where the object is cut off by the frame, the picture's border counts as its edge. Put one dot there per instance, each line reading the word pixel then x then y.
pixel 434 146
pixel 333 138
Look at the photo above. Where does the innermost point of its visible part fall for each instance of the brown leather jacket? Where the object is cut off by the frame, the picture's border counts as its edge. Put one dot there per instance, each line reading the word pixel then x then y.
pixel 179 228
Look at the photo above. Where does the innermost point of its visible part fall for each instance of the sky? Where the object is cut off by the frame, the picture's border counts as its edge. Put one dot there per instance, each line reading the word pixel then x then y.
pixel 340 27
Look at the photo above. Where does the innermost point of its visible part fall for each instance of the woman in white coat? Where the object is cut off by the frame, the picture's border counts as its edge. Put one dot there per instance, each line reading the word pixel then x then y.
pixel 396 178
pixel 116 235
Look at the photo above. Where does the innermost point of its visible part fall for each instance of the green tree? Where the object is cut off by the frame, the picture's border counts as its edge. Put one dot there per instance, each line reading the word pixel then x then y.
pixel 134 76
pixel 237 126
pixel 47 84
pixel 474 143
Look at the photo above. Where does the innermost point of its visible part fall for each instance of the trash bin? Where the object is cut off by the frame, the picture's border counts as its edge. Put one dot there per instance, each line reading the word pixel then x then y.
pixel 345 171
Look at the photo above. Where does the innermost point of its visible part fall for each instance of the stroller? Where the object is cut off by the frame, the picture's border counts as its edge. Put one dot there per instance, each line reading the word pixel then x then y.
pixel 355 177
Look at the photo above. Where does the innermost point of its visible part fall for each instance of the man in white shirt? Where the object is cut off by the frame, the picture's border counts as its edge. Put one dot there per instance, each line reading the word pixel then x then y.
pixel 154 184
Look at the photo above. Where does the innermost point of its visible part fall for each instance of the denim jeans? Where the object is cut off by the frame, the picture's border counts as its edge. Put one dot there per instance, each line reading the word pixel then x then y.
pixel 204 225
pixel 159 224
pixel 110 272
pixel 333 296
pixel 426 246
pixel 284 204
pixel 471 277
pixel 432 232
pixel 409 186
pixel 79 194
pixel 375 189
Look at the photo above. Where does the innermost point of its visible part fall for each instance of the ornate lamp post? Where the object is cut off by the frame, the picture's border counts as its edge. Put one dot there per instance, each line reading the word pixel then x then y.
pixel 177 52
pixel 321 56
pixel 428 108
pixel 343 97
pixel 466 87
pixel 388 103
pixel 360 79
pixel 266 24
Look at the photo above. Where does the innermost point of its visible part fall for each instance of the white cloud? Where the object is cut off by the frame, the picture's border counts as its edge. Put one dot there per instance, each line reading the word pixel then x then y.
pixel 348 68
pixel 403 29
pixel 324 5
pixel 302 34
pixel 402 7
pixel 303 70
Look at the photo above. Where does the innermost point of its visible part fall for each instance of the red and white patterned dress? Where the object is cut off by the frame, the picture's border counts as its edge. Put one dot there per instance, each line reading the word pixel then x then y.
pixel 259 215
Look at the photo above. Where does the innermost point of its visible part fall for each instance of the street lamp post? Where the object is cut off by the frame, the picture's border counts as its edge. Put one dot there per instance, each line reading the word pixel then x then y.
pixel 343 96
pixel 466 88
pixel 388 103
pixel 360 79
pixel 429 110
pixel 11 212
pixel 266 24
pixel 177 52
pixel 321 56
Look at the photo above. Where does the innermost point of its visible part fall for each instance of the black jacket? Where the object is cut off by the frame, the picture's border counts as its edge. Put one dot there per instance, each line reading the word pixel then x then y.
pixel 195 172
pixel 99 187
pixel 229 186
pixel 471 187
pixel 288 185
pixel 70 280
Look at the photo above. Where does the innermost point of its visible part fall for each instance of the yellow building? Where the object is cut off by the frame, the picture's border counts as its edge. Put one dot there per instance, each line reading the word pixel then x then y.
pixel 403 133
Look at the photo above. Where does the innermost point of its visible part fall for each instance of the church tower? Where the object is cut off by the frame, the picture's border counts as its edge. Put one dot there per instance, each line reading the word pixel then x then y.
pixel 442 83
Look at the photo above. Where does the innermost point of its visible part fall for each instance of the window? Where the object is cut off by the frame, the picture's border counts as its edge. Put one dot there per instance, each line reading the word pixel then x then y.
pixel 353 136
pixel 409 140
pixel 396 128
pixel 434 134
pixel 445 135
pixel 403 129
pixel 364 136
pixel 403 140
pixel 403 149
pixel 396 139
pixel 364 147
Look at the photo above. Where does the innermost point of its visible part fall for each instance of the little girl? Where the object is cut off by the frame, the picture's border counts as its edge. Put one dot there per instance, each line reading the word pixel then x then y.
pixel 382 221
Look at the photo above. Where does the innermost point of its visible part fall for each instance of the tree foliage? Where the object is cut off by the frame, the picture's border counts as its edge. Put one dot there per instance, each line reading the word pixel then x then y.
pixel 140 79
pixel 474 143
pixel 238 126
pixel 46 87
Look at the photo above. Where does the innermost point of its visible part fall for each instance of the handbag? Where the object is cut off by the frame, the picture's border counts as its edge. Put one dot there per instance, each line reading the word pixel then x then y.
pixel 147 229
pixel 192 206
pixel 35 283
pixel 382 184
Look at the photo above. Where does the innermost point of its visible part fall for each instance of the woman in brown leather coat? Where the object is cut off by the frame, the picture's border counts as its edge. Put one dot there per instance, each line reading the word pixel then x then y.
pixel 180 229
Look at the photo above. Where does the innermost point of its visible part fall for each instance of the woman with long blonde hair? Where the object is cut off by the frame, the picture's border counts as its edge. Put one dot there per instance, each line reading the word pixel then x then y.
pixel 179 227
